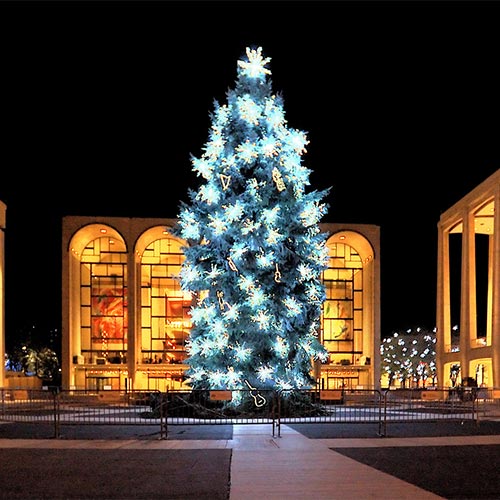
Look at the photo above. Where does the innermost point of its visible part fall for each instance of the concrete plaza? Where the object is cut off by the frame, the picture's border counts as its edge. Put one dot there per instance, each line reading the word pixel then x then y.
pixel 252 464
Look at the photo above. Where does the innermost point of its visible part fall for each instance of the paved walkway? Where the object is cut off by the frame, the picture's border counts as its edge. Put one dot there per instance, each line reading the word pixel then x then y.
pixel 291 466
pixel 294 466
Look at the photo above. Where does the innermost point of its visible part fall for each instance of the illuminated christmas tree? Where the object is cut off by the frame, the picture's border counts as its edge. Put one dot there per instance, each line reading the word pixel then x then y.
pixel 256 253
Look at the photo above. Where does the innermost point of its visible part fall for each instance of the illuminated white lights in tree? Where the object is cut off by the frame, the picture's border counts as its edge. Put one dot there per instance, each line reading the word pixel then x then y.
pixel 254 251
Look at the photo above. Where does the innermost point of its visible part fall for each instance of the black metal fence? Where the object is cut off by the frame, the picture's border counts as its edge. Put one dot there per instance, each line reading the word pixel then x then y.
pixel 73 407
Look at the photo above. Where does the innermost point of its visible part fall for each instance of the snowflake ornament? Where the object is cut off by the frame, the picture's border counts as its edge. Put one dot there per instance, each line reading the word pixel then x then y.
pixel 255 66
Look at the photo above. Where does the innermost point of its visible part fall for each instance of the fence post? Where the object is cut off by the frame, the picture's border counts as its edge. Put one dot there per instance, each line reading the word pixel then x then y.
pixel 163 415
pixel 276 420
pixel 55 394
pixel 382 417
pixel 475 408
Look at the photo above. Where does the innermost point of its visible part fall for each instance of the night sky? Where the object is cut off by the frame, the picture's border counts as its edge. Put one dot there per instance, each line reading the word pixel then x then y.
pixel 104 103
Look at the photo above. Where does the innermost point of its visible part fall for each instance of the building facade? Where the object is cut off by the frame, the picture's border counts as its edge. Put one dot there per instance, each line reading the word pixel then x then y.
pixel 468 288
pixel 125 319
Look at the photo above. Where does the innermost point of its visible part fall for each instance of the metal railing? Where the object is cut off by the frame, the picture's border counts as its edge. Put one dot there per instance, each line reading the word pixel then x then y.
pixel 380 407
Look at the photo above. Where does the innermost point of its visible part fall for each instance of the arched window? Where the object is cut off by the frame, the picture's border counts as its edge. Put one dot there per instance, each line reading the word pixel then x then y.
pixel 165 320
pixel 103 301
pixel 342 319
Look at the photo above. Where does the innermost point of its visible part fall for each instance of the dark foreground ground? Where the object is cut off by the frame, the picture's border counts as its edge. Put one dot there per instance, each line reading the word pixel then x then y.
pixel 453 472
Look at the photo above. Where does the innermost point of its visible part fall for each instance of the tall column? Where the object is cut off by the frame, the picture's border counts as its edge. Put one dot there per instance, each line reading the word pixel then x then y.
pixel 468 324
pixel 3 209
pixel 440 330
pixel 495 324
pixel 133 291
pixel 443 305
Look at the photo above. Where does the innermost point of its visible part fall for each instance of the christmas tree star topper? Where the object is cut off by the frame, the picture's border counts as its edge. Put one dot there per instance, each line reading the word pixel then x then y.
pixel 255 66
